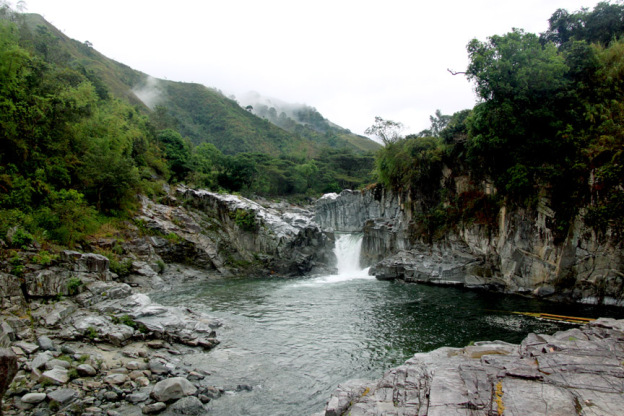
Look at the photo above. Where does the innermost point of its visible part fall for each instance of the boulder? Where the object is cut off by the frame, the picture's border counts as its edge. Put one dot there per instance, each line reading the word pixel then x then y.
pixel 115 378
pixel 57 363
pixel 27 347
pixel 85 370
pixel 172 389
pixel 57 376
pixel 190 406
pixel 63 396
pixel 45 343
pixel 137 397
pixel 154 408
pixel 86 262
pixel 8 369
pixel 40 360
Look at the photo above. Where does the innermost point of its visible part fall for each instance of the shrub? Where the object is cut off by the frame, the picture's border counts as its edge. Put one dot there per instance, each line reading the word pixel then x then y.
pixel 43 258
pixel 91 333
pixel 122 269
pixel 73 285
pixel 21 238
pixel 245 220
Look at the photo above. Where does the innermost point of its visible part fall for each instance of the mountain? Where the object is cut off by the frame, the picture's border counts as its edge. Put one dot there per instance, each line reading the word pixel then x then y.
pixel 201 113
pixel 303 120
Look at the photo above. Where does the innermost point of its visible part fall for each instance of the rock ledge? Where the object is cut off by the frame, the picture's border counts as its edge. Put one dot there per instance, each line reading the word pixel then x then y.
pixel 573 372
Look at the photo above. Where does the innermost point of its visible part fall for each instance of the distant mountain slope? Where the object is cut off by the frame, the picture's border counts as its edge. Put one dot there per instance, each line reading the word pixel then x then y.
pixel 203 114
pixel 304 120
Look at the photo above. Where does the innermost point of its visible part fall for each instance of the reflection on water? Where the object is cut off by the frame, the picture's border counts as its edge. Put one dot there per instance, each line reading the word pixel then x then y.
pixel 295 340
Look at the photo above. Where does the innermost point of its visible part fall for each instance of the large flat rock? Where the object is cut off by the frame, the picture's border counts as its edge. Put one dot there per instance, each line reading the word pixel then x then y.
pixel 578 371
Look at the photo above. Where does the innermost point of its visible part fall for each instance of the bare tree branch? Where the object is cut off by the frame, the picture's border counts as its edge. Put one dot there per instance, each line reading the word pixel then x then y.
pixel 455 72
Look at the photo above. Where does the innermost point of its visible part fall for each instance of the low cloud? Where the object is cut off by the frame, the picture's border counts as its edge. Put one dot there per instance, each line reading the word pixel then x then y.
pixel 150 92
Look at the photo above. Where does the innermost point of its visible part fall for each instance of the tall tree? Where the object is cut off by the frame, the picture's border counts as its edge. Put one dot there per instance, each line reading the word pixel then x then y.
pixel 387 131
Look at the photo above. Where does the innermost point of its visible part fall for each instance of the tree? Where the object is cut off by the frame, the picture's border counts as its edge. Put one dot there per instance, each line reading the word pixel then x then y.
pixel 438 124
pixel 602 25
pixel 523 86
pixel 108 176
pixel 177 152
pixel 387 130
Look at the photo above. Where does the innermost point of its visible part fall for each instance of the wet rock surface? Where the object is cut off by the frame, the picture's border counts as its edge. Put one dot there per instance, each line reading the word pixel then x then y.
pixel 578 371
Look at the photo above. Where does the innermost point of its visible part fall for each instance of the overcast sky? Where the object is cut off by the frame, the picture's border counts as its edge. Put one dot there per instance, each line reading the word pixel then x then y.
pixel 352 60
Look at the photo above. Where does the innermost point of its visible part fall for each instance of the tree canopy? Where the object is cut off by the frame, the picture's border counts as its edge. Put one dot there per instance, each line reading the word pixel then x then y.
pixel 548 124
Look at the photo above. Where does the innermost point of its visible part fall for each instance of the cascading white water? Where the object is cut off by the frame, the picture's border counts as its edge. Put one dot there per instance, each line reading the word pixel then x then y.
pixel 347 250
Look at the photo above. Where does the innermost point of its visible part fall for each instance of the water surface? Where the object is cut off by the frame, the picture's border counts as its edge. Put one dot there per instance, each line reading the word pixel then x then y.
pixel 295 340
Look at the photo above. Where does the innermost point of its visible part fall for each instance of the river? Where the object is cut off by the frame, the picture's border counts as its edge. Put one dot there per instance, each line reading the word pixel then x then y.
pixel 294 340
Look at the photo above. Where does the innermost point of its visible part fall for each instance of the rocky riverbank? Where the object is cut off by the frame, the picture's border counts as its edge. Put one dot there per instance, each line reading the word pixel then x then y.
pixel 573 372
pixel 105 350
pixel 79 336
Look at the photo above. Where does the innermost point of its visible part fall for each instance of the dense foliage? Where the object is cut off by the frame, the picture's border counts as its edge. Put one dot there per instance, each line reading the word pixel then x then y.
pixel 76 148
pixel 549 124
pixel 68 150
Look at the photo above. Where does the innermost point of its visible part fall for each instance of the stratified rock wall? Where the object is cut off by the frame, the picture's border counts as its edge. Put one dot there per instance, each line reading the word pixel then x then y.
pixel 519 255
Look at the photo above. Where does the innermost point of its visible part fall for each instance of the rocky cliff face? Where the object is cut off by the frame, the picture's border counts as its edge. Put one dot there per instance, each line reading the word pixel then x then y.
pixel 276 238
pixel 520 255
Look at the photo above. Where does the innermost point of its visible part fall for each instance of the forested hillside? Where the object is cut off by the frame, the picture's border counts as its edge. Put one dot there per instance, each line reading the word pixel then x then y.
pixel 77 143
pixel 548 131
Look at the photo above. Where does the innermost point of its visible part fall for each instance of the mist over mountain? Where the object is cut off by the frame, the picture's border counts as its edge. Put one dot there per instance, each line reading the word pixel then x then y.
pixel 297 118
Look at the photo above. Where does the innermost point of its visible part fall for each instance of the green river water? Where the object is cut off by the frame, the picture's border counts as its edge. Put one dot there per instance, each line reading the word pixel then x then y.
pixel 294 340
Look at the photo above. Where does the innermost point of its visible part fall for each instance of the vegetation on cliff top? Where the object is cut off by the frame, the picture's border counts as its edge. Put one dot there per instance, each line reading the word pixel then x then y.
pixel 549 126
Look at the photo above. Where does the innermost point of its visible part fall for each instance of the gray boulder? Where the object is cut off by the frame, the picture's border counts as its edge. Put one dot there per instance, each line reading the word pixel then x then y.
pixel 27 347
pixel 45 343
pixel 154 408
pixel 86 370
pixel 57 363
pixel 57 376
pixel 172 389
pixel 190 406
pixel 40 360
pixel 63 396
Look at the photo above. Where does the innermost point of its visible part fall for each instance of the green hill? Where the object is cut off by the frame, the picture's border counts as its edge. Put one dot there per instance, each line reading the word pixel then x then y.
pixel 202 114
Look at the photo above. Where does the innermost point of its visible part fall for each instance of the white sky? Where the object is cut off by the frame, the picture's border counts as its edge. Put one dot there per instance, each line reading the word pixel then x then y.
pixel 352 60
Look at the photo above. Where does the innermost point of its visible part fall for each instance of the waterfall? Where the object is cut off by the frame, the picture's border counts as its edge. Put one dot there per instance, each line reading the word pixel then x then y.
pixel 347 251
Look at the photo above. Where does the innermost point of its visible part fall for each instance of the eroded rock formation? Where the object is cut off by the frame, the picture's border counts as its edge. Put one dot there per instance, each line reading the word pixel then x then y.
pixel 519 254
